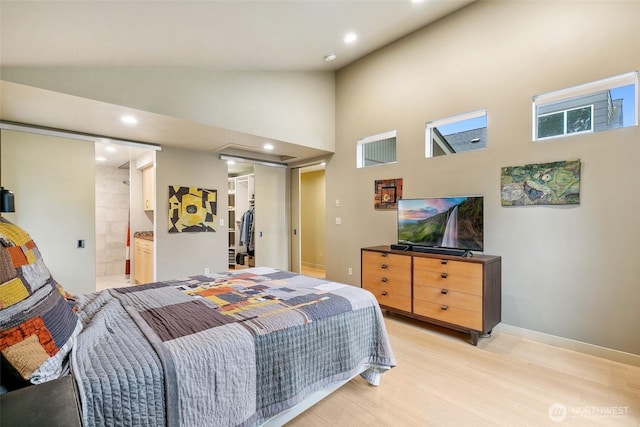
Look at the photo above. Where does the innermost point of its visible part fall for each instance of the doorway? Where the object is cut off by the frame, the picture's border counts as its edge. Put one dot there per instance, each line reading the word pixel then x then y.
pixel 309 243
pixel 119 211
pixel 266 199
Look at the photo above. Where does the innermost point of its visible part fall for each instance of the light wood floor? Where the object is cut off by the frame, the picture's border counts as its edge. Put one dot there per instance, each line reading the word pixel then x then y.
pixel 313 272
pixel 442 380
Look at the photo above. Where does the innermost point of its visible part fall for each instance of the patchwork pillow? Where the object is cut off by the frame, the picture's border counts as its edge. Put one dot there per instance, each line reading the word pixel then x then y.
pixel 37 324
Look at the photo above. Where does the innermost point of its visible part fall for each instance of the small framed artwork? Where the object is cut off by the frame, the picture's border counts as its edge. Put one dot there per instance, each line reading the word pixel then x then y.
pixel 192 209
pixel 386 193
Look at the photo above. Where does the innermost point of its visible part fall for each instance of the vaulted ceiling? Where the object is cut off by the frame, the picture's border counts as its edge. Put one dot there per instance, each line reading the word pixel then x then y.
pixel 257 35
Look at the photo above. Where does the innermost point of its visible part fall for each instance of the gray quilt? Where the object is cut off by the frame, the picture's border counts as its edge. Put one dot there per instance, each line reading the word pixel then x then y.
pixel 231 349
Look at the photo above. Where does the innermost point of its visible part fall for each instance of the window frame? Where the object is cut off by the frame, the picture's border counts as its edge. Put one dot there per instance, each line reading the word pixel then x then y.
pixel 360 160
pixel 564 121
pixel 434 124
pixel 583 90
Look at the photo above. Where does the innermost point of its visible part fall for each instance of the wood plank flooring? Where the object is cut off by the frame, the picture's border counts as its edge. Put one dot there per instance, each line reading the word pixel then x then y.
pixel 442 380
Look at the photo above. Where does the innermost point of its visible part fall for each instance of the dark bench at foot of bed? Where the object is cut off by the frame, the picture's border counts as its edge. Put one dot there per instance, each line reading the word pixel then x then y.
pixel 54 404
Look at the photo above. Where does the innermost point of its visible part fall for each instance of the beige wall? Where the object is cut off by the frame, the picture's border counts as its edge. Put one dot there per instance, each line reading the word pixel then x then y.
pixel 312 204
pixel 53 182
pixel 187 254
pixel 567 271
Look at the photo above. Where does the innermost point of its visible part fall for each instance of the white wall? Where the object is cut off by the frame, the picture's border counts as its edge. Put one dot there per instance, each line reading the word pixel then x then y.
pixel 53 182
pixel 296 107
pixel 567 271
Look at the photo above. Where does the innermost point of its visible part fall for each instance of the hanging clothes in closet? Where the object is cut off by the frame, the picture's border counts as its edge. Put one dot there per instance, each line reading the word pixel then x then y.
pixel 247 235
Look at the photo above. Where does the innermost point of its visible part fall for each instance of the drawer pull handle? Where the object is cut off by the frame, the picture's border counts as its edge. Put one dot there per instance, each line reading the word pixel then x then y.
pixel 384 280
pixel 384 293
pixel 444 307
pixel 384 255
pixel 443 275
pixel 384 266
pixel 443 261
pixel 444 291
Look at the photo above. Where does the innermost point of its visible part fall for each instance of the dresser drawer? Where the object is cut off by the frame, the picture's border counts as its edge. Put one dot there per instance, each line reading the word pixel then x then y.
pixel 458 268
pixel 397 280
pixel 449 281
pixel 391 287
pixel 445 313
pixel 448 297
pixel 386 259
pixel 391 298
pixel 388 277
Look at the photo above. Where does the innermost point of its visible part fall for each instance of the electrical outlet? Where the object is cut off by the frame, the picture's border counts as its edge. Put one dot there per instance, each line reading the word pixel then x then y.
pixel 350 271
pixel 206 271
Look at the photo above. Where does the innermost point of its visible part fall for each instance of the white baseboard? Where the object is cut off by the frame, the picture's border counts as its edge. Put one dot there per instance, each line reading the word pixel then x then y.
pixel 569 344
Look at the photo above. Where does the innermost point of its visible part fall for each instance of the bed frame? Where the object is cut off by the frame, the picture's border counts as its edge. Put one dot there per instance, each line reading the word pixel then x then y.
pixel 286 416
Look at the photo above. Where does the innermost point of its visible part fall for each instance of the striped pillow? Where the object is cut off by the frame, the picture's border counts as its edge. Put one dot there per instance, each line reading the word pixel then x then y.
pixel 37 325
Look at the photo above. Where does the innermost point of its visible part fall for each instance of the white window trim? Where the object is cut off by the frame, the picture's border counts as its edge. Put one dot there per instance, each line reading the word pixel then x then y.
pixel 581 90
pixel 428 152
pixel 564 130
pixel 372 138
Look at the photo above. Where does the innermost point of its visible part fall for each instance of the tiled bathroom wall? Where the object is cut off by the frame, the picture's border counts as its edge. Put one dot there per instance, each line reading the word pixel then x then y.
pixel 112 219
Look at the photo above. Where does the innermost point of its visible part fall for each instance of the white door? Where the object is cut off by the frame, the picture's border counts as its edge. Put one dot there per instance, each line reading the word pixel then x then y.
pixel 271 236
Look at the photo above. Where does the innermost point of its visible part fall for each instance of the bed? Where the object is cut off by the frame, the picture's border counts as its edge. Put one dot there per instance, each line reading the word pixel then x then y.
pixel 240 348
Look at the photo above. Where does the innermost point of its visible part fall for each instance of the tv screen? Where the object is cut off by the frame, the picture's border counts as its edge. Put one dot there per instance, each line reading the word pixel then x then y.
pixel 448 222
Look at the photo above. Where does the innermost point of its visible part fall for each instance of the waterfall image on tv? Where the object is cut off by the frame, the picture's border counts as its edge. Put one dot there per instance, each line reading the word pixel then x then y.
pixel 449 222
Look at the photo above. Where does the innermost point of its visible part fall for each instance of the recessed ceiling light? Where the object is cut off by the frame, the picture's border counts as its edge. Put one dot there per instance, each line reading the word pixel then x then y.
pixel 330 57
pixel 130 120
pixel 110 148
pixel 231 162
pixel 268 146
pixel 101 159
pixel 350 37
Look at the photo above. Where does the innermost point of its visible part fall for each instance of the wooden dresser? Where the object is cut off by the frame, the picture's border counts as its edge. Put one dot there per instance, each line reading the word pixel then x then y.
pixel 462 293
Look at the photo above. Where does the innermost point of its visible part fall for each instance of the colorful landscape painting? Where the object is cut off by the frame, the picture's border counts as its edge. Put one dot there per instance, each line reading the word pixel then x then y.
pixel 556 183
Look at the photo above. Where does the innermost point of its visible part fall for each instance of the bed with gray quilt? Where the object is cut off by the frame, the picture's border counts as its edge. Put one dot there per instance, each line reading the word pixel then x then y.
pixel 232 349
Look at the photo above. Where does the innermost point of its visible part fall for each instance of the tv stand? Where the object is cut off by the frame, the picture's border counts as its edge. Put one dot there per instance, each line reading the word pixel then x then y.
pixel 441 251
pixel 461 293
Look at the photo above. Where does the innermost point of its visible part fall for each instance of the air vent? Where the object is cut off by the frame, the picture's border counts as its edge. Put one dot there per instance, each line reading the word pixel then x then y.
pixel 254 153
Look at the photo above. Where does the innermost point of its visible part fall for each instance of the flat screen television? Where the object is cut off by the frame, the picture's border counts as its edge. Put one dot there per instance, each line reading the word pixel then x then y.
pixel 446 222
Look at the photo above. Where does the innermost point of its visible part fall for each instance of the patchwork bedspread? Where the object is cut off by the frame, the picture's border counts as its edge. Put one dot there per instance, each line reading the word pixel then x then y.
pixel 231 349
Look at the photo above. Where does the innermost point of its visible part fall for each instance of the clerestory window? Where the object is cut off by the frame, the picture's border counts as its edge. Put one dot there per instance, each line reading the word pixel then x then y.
pixel 592 107
pixel 377 149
